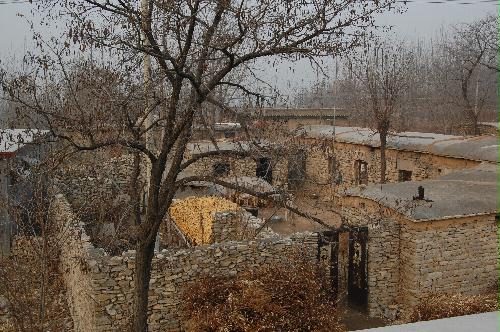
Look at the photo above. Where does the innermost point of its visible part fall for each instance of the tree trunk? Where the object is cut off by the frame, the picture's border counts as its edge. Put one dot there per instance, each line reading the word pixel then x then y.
pixel 144 257
pixel 475 125
pixel 383 163
pixel 135 191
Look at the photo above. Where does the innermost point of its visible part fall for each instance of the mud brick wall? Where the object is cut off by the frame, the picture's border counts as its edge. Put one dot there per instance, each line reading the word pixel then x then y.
pixel 100 287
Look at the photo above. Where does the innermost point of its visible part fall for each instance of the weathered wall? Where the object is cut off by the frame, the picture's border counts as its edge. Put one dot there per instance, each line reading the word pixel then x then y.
pixel 240 167
pixel 96 177
pixel 450 256
pixel 101 286
pixel 422 165
pixel 76 253
pixel 409 260
pixel 383 252
pixel 238 226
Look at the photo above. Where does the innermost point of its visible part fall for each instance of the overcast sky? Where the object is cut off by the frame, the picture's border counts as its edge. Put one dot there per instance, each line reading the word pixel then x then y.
pixel 422 20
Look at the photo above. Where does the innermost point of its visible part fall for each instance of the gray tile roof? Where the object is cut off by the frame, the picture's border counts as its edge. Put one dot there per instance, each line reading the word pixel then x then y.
pixel 463 193
pixel 482 148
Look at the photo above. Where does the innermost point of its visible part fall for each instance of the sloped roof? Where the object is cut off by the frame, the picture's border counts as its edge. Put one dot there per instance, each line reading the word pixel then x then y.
pixel 481 148
pixel 468 192
pixel 12 140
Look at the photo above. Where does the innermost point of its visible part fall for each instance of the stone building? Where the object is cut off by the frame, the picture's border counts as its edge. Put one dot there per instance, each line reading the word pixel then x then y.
pixel 268 163
pixel 347 156
pixel 402 242
pixel 100 286
pixel 490 128
pixel 293 118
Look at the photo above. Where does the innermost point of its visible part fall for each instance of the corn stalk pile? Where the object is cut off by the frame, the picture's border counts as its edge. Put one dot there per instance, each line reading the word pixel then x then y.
pixel 195 215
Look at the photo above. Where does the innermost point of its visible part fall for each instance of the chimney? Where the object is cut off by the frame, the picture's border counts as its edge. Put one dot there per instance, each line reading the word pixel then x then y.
pixel 420 194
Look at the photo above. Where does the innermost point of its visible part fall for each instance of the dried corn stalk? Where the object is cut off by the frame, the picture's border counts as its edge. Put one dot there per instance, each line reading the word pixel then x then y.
pixel 195 215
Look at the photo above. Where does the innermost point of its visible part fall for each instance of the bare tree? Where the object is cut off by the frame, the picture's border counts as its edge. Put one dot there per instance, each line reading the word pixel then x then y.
pixel 473 60
pixel 382 74
pixel 195 45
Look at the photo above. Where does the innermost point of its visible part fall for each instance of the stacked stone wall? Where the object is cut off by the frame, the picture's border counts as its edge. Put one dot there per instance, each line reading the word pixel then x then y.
pixel 240 167
pixel 410 260
pixel 96 177
pixel 450 256
pixel 422 165
pixel 383 253
pixel 101 287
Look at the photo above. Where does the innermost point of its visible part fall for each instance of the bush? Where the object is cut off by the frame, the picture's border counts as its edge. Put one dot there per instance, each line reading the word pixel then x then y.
pixel 34 289
pixel 290 296
pixel 452 305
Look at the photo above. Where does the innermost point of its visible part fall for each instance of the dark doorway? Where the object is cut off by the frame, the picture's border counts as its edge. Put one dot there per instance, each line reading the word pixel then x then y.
pixel 328 254
pixel 357 280
pixel 264 169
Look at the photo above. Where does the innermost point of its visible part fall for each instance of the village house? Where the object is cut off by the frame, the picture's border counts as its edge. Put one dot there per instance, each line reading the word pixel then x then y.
pixel 268 162
pixel 341 157
pixel 293 118
pixel 402 242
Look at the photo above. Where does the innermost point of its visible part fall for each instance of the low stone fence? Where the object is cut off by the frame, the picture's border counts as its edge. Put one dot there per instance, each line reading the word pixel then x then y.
pixel 101 287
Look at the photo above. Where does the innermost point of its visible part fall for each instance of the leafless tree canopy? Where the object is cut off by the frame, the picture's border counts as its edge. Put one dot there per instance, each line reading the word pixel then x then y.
pixel 197 47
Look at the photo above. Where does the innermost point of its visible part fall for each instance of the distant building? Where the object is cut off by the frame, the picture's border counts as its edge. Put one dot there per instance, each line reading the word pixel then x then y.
pixel 489 128
pixel 293 118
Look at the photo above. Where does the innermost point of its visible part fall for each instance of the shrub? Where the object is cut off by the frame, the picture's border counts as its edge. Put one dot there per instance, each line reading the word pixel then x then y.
pixel 293 295
pixel 452 305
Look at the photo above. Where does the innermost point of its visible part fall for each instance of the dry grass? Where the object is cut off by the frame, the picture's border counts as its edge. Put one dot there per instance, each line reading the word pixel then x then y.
pixel 452 305
pixel 291 296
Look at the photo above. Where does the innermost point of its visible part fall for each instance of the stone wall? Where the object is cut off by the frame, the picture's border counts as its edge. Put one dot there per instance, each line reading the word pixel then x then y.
pixel 321 175
pixel 76 254
pixel 383 252
pixel 449 256
pixel 409 260
pixel 238 226
pixel 101 286
pixel 95 177
pixel 241 167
